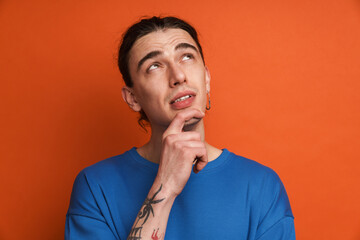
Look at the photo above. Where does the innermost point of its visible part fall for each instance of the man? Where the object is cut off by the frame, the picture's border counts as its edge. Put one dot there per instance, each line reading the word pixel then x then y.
pixel 176 186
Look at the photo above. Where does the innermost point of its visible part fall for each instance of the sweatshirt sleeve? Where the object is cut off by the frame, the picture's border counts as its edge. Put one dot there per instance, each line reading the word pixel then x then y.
pixel 84 219
pixel 277 220
pixel 282 230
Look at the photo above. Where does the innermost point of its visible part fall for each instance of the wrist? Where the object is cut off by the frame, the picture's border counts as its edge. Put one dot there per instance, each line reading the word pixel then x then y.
pixel 163 190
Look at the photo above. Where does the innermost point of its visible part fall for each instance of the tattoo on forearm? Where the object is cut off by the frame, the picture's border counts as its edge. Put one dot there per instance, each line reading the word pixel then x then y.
pixel 154 235
pixel 143 215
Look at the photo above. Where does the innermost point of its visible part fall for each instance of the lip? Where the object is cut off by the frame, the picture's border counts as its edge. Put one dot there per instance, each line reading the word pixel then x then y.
pixel 185 103
pixel 182 94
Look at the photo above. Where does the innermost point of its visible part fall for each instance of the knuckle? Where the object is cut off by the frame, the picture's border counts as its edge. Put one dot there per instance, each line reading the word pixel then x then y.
pixel 197 135
pixel 164 137
pixel 167 140
pixel 178 145
pixel 186 152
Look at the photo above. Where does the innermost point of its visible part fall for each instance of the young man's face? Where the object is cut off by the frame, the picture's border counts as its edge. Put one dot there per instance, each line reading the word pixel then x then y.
pixel 168 75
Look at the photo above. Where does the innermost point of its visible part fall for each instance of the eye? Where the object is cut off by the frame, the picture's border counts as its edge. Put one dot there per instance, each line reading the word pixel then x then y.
pixel 152 67
pixel 187 56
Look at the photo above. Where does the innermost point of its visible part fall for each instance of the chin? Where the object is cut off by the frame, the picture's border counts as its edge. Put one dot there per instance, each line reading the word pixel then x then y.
pixel 190 124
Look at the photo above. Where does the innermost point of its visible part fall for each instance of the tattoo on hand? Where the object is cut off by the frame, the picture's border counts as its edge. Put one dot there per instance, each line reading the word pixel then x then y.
pixel 144 213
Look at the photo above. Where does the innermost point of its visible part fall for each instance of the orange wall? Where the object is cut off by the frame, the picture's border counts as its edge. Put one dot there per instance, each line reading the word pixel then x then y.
pixel 285 92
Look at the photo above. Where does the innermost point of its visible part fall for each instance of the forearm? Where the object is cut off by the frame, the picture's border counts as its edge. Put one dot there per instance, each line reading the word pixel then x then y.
pixel 152 218
pixel 179 150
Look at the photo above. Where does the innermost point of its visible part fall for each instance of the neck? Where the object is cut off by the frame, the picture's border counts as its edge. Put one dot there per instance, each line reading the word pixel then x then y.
pixel 152 149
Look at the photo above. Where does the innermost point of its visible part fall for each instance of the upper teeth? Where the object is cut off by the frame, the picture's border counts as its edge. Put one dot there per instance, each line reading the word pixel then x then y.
pixel 182 98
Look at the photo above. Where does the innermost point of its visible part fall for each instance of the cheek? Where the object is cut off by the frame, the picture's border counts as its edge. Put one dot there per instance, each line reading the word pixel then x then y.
pixel 150 96
pixel 196 72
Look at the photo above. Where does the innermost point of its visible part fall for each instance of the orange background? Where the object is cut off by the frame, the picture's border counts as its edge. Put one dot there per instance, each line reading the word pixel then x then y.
pixel 285 92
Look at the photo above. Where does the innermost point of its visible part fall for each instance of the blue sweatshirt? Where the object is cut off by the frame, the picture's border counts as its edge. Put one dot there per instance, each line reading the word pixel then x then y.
pixel 231 198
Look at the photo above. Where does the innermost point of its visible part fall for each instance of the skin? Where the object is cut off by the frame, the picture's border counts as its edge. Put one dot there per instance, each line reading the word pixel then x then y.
pixel 177 135
pixel 175 72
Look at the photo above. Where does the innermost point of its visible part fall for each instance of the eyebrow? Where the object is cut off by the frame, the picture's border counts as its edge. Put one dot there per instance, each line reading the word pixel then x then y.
pixel 185 45
pixel 148 56
pixel 157 53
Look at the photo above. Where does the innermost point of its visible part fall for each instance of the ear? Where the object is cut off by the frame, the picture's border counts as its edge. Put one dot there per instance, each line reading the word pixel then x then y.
pixel 130 99
pixel 207 79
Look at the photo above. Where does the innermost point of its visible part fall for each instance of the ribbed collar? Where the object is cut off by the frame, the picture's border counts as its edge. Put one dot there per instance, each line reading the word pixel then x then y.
pixel 209 167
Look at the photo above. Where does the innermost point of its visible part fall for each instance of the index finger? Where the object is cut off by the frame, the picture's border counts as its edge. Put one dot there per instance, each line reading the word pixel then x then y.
pixel 178 122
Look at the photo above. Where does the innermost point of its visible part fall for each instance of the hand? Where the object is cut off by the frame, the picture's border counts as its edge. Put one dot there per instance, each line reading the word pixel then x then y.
pixel 179 151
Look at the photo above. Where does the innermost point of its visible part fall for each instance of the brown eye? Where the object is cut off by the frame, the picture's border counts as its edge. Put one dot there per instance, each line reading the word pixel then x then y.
pixel 187 57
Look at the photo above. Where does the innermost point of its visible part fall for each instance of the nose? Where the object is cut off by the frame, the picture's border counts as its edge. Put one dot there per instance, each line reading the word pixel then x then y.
pixel 176 75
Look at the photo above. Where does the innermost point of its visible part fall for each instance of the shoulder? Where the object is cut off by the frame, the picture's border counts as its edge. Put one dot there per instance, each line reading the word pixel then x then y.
pixel 266 189
pixel 103 173
pixel 90 181
pixel 251 168
pixel 110 166
pixel 263 183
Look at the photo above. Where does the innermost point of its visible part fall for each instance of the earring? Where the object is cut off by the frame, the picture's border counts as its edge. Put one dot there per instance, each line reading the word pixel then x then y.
pixel 208 107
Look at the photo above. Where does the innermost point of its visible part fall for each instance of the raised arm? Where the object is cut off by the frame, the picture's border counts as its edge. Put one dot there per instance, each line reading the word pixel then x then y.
pixel 179 151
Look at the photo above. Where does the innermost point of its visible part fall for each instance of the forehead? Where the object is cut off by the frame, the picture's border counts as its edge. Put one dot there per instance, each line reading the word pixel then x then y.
pixel 163 40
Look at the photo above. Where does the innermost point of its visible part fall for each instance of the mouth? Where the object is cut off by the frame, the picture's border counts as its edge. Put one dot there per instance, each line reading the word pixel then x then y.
pixel 183 100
